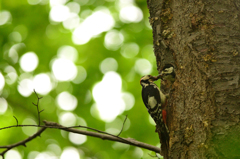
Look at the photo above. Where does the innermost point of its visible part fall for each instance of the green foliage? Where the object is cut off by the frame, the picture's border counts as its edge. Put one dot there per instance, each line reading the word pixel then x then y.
pixel 30 29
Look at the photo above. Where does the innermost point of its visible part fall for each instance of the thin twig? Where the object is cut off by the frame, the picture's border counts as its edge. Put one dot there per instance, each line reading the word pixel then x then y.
pixel 16 120
pixel 37 105
pixel 23 143
pixel 79 126
pixel 14 126
pixel 122 126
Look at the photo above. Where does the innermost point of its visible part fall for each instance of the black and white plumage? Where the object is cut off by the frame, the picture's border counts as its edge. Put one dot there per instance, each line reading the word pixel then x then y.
pixel 168 73
pixel 151 97
pixel 154 101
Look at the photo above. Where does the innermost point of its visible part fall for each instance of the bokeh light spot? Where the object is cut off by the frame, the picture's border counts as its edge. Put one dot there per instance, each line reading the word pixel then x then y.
pixel 88 97
pixel 2 81
pixel 67 119
pixel 77 139
pixel 73 7
pixel 29 130
pixel 57 2
pixel 15 37
pixel 59 13
pixel 129 100
pixel 70 152
pixel 81 35
pixel 83 2
pixel 108 64
pixel 68 52
pixel 29 61
pixel 34 2
pixel 5 16
pixel 42 83
pixel 72 21
pixel 85 13
pixel 123 3
pixel 32 154
pixel 113 40
pixel 66 101
pixel 64 69
pixel 11 76
pixel 87 29
pixel 81 121
pixel 23 30
pixel 3 105
pixel 130 50
pixel 81 75
pixel 45 155
pixel 138 152
pixel 54 148
pixel 130 14
pixel 25 87
pixel 120 146
pixel 143 67
pixel 13 154
pixel 107 95
pixel 13 55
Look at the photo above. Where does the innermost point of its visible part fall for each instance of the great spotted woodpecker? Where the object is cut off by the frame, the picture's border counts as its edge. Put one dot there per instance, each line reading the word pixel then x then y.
pixel 155 102
pixel 167 73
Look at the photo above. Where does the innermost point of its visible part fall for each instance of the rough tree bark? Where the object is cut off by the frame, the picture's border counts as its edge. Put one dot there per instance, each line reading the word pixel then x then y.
pixel 201 39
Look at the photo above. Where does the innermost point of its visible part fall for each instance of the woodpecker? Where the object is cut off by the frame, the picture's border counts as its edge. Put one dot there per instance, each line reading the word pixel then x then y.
pixel 167 73
pixel 155 101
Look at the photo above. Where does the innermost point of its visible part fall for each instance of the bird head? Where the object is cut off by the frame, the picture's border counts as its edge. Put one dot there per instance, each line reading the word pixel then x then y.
pixel 167 73
pixel 147 79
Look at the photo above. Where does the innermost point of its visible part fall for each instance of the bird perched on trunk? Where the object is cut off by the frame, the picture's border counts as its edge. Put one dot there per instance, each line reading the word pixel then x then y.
pixel 155 102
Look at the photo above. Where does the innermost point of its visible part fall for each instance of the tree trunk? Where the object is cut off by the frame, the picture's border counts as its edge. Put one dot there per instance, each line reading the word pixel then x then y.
pixel 201 39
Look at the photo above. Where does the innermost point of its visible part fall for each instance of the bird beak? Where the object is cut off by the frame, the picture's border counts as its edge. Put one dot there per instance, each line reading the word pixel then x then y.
pixel 154 78
pixel 159 76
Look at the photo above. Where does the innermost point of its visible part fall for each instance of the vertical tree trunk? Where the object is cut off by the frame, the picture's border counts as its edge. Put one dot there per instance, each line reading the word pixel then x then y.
pixel 202 40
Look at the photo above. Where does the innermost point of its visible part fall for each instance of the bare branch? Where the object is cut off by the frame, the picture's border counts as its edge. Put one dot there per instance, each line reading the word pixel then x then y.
pixel 105 136
pixel 23 143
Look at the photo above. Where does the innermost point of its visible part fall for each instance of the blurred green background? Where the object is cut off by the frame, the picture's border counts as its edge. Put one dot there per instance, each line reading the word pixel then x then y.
pixel 85 58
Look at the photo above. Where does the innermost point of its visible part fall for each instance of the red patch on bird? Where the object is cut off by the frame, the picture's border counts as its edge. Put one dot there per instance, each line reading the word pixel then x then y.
pixel 164 115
